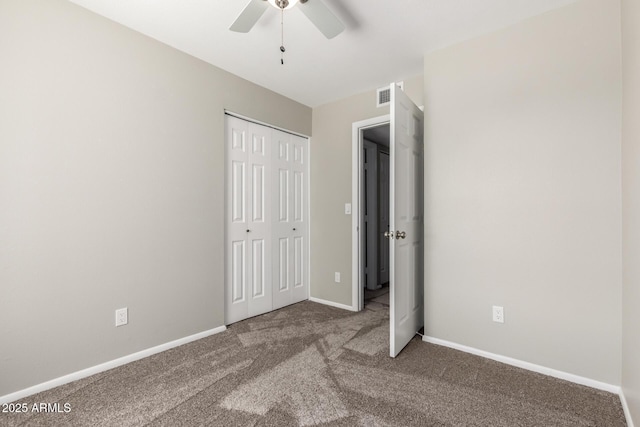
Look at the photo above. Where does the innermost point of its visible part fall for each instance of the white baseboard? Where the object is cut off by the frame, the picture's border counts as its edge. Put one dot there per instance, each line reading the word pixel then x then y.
pixel 625 408
pixel 528 366
pixel 106 366
pixel 332 304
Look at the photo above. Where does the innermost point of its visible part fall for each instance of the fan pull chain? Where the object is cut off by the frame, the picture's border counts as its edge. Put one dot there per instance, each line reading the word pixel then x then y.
pixel 282 49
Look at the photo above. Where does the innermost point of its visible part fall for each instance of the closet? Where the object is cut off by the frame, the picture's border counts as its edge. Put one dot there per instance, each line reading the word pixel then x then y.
pixel 266 219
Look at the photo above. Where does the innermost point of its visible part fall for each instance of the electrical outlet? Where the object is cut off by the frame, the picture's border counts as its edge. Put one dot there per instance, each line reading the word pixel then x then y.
pixel 498 314
pixel 337 277
pixel 122 316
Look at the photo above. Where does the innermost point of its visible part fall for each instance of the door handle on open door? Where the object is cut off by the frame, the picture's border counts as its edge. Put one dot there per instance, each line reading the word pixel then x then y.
pixel 400 234
pixel 389 234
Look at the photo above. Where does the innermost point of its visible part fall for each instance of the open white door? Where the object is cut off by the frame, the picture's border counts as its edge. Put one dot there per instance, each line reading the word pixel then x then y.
pixel 406 218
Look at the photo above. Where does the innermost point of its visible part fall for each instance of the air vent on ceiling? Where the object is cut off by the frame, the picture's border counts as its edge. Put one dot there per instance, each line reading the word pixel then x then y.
pixel 383 94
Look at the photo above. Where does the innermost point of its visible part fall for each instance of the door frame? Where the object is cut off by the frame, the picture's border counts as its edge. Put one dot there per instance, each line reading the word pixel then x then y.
pixel 357 294
pixel 370 198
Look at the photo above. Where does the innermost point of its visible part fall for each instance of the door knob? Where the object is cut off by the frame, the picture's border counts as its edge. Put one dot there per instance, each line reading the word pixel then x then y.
pixel 389 234
pixel 400 234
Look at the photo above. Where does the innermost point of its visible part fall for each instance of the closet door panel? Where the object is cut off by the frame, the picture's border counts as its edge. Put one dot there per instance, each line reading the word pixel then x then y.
pixel 238 197
pixel 283 265
pixel 282 195
pixel 299 218
pixel 248 220
pixel 258 268
pixel 298 196
pixel 298 262
pixel 259 224
pixel 282 232
pixel 236 270
pixel 258 200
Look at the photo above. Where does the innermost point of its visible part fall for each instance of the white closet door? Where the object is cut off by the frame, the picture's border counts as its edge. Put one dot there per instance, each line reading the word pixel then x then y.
pixel 248 257
pixel 290 246
pixel 299 219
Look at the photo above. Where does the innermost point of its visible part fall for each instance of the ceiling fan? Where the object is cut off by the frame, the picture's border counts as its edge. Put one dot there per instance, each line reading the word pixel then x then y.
pixel 315 10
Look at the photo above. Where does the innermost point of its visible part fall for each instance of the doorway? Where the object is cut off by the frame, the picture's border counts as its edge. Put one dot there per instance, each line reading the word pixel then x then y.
pixel 374 215
pixel 360 245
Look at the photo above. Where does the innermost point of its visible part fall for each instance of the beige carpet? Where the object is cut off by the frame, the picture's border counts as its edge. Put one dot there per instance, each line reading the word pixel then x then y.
pixel 310 364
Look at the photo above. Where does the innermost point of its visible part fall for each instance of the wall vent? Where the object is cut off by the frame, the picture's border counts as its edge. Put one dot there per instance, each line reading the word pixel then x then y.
pixel 383 95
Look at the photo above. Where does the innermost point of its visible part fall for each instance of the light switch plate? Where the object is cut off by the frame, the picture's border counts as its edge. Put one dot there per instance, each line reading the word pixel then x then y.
pixel 347 208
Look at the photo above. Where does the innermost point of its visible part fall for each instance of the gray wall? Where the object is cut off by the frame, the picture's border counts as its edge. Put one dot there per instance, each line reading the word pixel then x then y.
pixel 631 205
pixel 331 188
pixel 111 188
pixel 523 198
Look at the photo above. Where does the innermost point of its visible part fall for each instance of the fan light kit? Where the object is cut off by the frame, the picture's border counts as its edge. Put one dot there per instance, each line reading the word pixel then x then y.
pixel 283 4
pixel 315 10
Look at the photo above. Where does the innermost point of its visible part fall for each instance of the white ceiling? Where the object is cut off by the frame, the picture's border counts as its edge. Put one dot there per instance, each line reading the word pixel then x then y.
pixel 384 40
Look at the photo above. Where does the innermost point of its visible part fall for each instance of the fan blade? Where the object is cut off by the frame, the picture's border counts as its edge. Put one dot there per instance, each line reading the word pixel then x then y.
pixel 321 17
pixel 249 16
